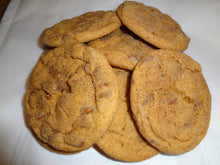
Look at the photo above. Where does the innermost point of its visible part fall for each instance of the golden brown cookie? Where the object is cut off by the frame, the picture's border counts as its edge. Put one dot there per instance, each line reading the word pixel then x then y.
pixel 170 101
pixel 122 140
pixel 83 28
pixel 121 49
pixel 153 26
pixel 71 98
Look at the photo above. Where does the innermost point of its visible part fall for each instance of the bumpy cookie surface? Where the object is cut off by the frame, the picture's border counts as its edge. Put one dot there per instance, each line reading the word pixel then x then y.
pixel 122 140
pixel 71 98
pixel 153 26
pixel 170 101
pixel 83 28
pixel 121 49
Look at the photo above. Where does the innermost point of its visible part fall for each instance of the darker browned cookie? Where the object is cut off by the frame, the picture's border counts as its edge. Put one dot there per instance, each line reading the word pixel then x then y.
pixel 153 26
pixel 170 101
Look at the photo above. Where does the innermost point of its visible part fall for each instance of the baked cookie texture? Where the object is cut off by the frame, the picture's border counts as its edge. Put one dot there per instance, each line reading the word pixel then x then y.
pixel 72 97
pixel 122 140
pixel 155 100
pixel 121 48
pixel 83 28
pixel 170 101
pixel 153 26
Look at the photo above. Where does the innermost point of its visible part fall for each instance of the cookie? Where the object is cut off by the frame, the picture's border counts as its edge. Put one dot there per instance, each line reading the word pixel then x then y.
pixel 170 101
pixel 122 140
pixel 153 26
pixel 83 28
pixel 72 97
pixel 121 49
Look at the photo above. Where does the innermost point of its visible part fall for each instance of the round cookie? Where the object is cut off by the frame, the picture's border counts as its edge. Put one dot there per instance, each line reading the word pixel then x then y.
pixel 122 140
pixel 121 49
pixel 153 26
pixel 72 97
pixel 170 101
pixel 83 28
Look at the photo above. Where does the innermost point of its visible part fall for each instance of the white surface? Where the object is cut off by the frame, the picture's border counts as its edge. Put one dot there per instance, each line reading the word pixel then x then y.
pixel 19 51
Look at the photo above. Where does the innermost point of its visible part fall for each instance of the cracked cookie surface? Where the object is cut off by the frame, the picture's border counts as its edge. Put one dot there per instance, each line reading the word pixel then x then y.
pixel 153 26
pixel 83 28
pixel 170 101
pixel 121 48
pixel 71 98
pixel 122 140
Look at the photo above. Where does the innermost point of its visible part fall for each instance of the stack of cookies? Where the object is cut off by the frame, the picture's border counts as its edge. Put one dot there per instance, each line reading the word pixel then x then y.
pixel 118 80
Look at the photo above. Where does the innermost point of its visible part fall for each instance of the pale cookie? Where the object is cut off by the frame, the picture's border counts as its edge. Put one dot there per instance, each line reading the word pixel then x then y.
pixel 83 28
pixel 121 49
pixel 72 97
pixel 122 140
pixel 170 101
pixel 153 26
